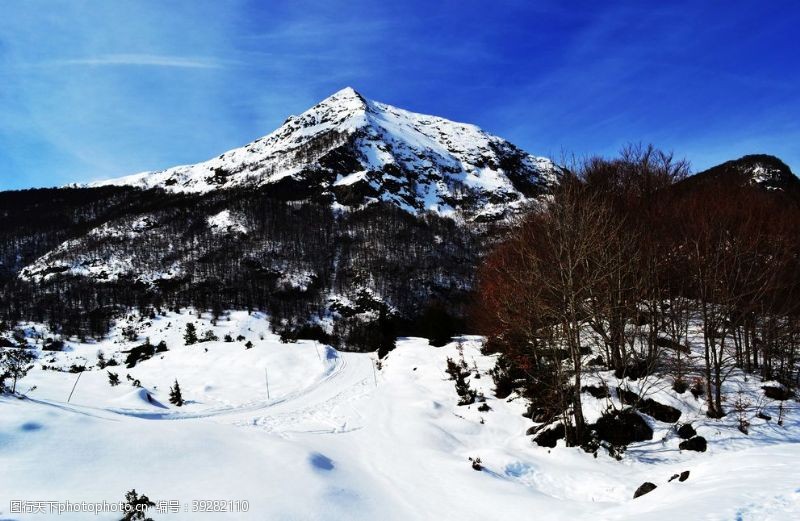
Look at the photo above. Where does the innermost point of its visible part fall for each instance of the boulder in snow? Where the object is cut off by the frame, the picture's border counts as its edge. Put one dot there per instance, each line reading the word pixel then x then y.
pixel 650 407
pixel 777 392
pixel 683 476
pixel 686 431
pixel 549 437
pixel 595 390
pixel 698 444
pixel 645 488
pixel 622 428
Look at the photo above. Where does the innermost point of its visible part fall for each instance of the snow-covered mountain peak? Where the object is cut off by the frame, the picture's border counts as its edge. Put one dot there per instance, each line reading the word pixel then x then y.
pixel 357 152
pixel 345 109
pixel 347 98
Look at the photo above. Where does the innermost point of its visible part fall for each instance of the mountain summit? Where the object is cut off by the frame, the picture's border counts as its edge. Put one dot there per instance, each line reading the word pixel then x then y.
pixel 357 151
pixel 760 172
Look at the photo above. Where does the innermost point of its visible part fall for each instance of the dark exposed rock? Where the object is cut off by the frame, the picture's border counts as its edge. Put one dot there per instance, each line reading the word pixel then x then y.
pixel 139 354
pixel 668 343
pixel 764 416
pixel 537 414
pixel 650 407
pixel 686 431
pixel 596 391
pixel 476 464
pixel 598 360
pixel 549 437
pixel 645 488
pixel 634 370
pixel 622 428
pixel 777 392
pixel 659 411
pixel 683 476
pixel 354 194
pixel 542 415
pixel 697 444
pixel 627 397
pixel 342 159
pixel 53 345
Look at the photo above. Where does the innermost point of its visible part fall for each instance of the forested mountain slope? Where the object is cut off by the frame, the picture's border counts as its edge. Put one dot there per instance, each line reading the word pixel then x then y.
pixel 352 217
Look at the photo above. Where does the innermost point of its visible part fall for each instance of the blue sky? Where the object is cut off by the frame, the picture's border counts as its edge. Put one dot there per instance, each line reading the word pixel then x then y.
pixel 97 89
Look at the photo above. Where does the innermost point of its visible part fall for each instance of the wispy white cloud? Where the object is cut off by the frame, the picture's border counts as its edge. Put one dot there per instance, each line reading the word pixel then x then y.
pixel 148 60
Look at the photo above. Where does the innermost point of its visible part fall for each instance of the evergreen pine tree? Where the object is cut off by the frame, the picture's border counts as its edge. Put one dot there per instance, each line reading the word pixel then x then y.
pixel 190 337
pixel 464 391
pixel 15 364
pixel 175 397
pixel 113 379
pixel 209 336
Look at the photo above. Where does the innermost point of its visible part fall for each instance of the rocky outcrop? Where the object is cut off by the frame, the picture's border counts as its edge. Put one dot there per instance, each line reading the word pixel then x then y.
pixel 777 392
pixel 622 428
pixel 644 488
pixel 697 444
pixel 550 436
pixel 686 431
pixel 650 407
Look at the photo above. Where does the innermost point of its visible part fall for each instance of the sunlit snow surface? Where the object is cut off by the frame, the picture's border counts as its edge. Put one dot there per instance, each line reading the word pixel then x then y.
pixel 337 439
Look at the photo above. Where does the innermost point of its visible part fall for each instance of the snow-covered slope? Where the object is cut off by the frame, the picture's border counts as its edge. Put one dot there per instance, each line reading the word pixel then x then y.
pixel 339 437
pixel 361 151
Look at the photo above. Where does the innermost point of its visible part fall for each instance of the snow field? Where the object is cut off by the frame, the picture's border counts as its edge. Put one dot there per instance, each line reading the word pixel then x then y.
pixel 338 439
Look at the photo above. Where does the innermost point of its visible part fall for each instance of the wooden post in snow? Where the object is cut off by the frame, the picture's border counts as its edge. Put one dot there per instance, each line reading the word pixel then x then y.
pixel 74 386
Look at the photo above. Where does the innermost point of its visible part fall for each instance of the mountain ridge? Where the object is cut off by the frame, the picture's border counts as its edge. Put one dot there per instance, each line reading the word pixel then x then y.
pixel 357 151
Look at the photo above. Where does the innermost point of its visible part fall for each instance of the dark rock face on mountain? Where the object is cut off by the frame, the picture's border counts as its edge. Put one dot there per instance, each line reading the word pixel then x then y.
pixel 351 220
